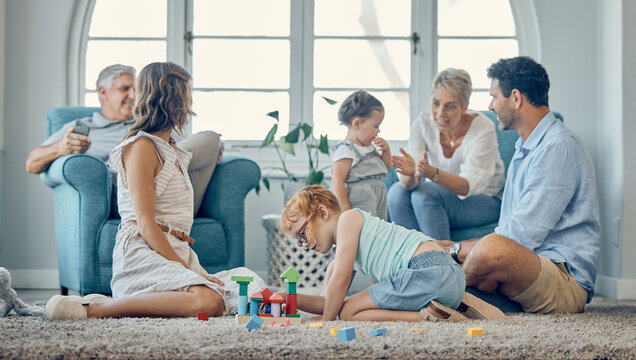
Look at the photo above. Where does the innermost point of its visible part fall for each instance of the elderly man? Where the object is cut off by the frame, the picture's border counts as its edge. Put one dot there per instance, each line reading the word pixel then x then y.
pixel 543 250
pixel 116 91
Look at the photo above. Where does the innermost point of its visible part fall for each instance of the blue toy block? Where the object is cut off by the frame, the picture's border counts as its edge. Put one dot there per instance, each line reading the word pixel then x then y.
pixel 242 305
pixel 347 334
pixel 254 323
pixel 378 332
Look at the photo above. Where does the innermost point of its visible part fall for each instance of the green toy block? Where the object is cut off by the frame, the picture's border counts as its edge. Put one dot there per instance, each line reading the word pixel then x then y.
pixel 291 288
pixel 239 279
pixel 290 275
pixel 293 315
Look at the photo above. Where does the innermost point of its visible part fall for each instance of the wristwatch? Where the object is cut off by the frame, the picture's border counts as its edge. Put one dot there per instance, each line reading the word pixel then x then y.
pixel 454 250
pixel 436 176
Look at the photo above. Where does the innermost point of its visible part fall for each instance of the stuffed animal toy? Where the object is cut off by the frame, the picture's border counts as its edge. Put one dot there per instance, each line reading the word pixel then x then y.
pixel 9 298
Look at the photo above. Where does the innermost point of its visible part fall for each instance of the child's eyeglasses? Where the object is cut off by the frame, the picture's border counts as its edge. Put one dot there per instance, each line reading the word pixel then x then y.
pixel 301 236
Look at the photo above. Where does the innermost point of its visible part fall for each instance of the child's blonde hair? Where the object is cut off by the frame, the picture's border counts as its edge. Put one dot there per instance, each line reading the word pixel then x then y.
pixel 305 203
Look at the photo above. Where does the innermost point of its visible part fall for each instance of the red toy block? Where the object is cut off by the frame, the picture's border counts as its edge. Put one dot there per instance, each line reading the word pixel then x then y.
pixel 203 316
pixel 290 302
pixel 266 294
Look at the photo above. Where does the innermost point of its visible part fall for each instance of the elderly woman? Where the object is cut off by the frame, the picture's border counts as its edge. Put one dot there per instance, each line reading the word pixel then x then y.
pixel 458 178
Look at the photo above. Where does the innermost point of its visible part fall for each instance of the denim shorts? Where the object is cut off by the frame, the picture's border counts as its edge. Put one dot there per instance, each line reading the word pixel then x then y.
pixel 431 275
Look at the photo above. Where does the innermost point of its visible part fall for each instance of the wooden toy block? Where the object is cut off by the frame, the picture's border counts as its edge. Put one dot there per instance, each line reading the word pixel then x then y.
pixel 242 305
pixel 246 279
pixel 244 319
pixel 290 304
pixel 266 293
pixel 334 331
pixel 347 334
pixel 378 332
pixel 255 322
pixel 316 324
pixel 475 332
pixel 290 275
pixel 203 316
pixel 419 330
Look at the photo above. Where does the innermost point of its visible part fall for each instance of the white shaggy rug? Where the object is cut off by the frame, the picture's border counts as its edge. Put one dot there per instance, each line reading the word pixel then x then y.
pixel 605 330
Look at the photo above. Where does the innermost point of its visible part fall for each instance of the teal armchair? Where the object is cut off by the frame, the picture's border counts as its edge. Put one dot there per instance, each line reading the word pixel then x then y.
pixel 86 219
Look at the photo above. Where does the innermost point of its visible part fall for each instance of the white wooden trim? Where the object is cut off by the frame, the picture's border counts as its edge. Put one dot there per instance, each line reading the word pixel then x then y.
pixel 76 51
pixel 35 279
pixel 615 288
pixel 527 26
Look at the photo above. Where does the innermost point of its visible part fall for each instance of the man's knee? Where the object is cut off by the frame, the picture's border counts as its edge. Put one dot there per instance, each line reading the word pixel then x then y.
pixel 205 142
pixel 488 255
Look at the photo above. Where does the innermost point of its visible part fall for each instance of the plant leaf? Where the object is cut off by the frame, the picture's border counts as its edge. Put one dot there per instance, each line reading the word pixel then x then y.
pixel 286 146
pixel 315 177
pixel 258 189
pixel 323 146
pixel 292 135
pixel 270 136
pixel 273 114
pixel 331 102
pixel 307 129
pixel 266 183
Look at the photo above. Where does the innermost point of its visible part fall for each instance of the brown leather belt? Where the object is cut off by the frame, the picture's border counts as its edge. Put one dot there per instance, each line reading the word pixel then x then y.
pixel 178 234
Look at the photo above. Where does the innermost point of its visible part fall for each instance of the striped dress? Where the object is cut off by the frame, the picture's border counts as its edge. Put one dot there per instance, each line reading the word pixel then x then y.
pixel 138 269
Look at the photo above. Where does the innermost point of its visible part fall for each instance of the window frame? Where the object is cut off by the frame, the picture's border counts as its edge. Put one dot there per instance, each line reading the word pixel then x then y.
pixel 179 21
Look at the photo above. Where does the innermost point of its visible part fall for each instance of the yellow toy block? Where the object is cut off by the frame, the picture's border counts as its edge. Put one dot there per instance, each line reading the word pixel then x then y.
pixel 316 324
pixel 475 331
pixel 419 330
pixel 334 331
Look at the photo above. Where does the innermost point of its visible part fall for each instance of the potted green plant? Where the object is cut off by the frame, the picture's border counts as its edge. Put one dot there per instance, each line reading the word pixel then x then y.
pixel 301 134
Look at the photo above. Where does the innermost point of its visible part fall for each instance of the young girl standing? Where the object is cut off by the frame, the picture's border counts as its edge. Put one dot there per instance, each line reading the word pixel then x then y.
pixel 415 279
pixel 358 168
pixel 155 272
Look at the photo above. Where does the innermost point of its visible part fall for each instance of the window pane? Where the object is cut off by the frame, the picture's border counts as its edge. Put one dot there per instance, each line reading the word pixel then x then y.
pixel 137 54
pixel 240 115
pixel 364 17
pixel 121 18
pixel 475 18
pixel 479 100
pixel 241 17
pixel 90 99
pixel 395 125
pixel 474 56
pixel 241 63
pixel 362 63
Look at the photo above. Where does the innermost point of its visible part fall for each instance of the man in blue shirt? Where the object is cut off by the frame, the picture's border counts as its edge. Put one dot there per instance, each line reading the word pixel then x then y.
pixel 116 92
pixel 543 250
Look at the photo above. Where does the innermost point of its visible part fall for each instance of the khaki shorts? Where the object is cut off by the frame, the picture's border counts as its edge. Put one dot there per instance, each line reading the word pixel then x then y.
pixel 554 291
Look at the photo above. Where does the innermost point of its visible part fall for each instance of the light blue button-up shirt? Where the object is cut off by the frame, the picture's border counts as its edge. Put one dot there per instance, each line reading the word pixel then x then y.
pixel 550 203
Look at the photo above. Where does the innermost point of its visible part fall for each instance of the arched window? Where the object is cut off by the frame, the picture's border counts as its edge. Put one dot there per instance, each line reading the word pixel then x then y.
pixel 249 57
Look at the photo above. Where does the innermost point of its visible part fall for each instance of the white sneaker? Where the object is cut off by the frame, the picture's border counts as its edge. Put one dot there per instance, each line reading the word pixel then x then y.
pixel 60 307
pixel 97 298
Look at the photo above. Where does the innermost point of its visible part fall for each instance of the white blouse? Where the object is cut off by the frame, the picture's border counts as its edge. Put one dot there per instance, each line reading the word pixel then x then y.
pixel 476 159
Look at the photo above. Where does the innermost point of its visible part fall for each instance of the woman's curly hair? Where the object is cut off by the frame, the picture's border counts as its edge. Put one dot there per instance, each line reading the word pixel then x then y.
pixel 164 99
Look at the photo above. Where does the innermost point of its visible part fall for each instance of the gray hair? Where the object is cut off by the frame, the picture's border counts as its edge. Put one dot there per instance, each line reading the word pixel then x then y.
pixel 108 75
pixel 456 82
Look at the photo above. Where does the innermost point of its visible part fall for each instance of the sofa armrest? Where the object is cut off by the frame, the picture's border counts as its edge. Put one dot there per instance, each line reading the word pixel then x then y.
pixel 224 200
pixel 82 189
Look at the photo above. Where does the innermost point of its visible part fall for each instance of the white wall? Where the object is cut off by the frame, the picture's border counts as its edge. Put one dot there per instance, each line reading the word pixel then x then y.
pixel 573 34
pixel 629 147
pixel 35 43
pixel 2 60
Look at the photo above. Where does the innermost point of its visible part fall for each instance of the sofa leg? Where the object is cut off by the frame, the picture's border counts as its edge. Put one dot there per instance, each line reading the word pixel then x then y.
pixel 63 290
